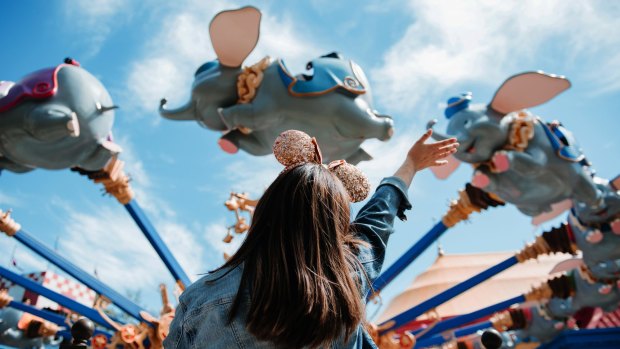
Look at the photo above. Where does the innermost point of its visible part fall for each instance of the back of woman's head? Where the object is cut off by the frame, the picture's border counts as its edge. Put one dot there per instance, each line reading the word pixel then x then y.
pixel 298 262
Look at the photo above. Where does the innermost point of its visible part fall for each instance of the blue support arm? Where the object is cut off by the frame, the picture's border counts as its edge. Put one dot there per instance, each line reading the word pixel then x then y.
pixel 55 297
pixel 45 315
pixel 160 247
pixel 51 317
pixel 471 199
pixel 461 320
pixel 408 257
pixel 410 315
pixel 116 183
pixel 119 300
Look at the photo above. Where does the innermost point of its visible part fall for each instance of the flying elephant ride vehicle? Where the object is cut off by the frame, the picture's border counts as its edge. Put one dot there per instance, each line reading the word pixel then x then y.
pixel 61 118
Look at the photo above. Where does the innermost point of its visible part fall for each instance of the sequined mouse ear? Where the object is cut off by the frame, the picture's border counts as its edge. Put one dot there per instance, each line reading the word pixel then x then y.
pixel 354 180
pixel 294 147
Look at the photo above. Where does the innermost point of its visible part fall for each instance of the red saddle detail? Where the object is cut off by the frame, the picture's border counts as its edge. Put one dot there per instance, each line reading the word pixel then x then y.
pixel 38 85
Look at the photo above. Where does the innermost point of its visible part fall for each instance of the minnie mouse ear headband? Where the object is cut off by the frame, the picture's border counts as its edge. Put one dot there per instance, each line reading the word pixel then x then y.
pixel 293 148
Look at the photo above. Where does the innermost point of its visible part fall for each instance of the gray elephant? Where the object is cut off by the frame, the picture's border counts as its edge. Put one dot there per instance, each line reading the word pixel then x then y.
pixel 518 156
pixel 56 118
pixel 597 233
pixel 252 106
pixel 35 334
pixel 585 293
pixel 541 326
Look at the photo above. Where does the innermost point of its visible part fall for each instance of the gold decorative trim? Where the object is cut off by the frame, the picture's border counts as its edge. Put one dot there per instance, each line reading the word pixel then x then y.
pixel 249 80
pixel 114 180
pixel 390 340
pixel 533 250
pixel 521 130
pixel 5 299
pixel 502 321
pixel 7 224
pixel 539 293
pixel 459 210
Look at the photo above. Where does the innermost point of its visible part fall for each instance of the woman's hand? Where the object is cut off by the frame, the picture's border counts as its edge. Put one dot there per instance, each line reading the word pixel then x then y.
pixel 422 155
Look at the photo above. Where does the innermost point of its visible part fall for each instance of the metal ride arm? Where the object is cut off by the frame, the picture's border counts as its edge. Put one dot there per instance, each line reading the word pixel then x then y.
pixel 55 297
pixel 116 183
pixel 158 244
pixel 555 240
pixel 410 315
pixel 13 229
pixel 45 315
pixel 461 320
pixel 471 199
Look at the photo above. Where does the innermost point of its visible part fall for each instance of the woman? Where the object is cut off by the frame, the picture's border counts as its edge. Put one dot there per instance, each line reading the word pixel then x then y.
pixel 300 278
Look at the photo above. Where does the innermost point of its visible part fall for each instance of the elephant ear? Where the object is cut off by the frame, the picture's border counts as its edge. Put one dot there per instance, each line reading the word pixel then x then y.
pixel 234 35
pixel 527 90
pixel 556 209
pixel 567 265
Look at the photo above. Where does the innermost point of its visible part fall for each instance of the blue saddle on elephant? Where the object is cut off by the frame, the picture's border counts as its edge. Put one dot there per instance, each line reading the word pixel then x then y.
pixel 563 142
pixel 330 74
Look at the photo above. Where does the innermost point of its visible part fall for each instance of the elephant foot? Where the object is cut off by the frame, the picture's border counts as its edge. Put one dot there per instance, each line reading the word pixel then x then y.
pixel 594 237
pixel 605 289
pixel 615 226
pixel 228 146
pixel 244 130
pixel 500 161
pixel 480 180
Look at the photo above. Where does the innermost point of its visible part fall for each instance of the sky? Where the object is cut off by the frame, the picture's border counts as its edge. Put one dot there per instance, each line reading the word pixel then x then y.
pixel 416 53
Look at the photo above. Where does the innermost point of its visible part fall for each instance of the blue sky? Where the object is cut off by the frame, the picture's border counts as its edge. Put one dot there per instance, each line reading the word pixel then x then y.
pixel 416 54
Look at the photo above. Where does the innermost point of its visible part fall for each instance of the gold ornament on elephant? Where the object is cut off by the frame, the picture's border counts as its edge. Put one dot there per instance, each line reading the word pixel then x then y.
pixel 7 224
pixel 250 79
pixel 521 129
pixel 113 178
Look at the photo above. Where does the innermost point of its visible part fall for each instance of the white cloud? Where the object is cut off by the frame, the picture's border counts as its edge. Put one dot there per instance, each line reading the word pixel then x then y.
pixel 214 234
pixel 485 41
pixel 387 156
pixel 9 200
pixel 116 248
pixel 26 261
pixel 111 242
pixel 607 76
pixel 188 249
pixel 182 44
pixel 251 174
pixel 96 19
pixel 142 183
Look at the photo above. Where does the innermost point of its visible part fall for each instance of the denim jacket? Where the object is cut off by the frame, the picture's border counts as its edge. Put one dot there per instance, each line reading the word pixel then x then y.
pixel 201 319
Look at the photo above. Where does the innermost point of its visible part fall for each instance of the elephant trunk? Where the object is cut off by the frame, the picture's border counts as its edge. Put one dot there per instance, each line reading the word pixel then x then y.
pixel 436 135
pixel 185 112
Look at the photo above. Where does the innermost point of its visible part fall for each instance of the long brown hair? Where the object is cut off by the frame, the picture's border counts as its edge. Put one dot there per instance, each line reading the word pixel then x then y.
pixel 299 262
